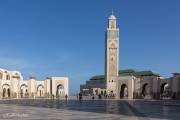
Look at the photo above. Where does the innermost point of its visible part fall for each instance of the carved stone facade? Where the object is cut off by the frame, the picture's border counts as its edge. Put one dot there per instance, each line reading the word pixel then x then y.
pixel 148 85
pixel 128 84
pixel 112 55
pixel 12 85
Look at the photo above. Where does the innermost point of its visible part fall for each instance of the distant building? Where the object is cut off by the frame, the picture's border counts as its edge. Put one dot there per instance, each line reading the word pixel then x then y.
pixel 129 84
pixel 13 86
pixel 96 85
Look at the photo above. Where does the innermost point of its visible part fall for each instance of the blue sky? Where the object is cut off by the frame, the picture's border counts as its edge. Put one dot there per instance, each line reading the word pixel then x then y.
pixel 66 37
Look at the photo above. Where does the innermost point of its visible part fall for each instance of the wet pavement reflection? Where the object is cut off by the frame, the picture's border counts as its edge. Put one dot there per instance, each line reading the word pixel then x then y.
pixel 166 109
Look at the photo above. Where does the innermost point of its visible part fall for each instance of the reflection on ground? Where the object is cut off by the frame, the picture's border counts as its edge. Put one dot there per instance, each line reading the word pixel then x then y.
pixel 136 109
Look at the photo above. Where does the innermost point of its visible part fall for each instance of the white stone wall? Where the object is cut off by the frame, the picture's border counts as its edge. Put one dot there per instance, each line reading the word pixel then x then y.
pixel 13 81
pixel 129 81
pixel 60 81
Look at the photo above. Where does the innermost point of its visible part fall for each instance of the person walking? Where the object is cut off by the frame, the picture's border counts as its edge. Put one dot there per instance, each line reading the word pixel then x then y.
pixel 92 96
pixel 77 96
pixel 99 96
pixel 66 97
pixel 80 96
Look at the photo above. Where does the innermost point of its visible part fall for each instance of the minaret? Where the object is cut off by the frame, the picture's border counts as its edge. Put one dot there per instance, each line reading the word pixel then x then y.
pixel 112 55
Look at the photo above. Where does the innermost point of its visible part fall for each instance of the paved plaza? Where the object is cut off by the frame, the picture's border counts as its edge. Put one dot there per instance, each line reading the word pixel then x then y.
pixel 89 110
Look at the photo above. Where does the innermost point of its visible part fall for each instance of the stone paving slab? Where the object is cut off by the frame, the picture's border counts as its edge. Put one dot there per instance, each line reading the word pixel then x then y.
pixel 15 112
pixel 91 109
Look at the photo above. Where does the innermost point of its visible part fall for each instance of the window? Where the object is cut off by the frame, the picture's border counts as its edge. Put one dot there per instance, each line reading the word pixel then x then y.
pixel 7 77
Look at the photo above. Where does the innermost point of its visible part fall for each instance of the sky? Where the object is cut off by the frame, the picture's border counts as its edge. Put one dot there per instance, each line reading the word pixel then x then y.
pixel 67 37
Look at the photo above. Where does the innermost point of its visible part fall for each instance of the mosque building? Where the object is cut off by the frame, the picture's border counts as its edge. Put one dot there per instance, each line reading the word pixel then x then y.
pixel 128 84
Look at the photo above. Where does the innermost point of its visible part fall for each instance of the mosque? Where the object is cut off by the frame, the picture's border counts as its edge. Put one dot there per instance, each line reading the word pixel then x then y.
pixel 128 84
pixel 13 86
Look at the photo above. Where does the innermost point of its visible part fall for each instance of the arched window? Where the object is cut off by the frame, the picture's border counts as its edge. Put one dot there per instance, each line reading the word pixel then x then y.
pixel 7 77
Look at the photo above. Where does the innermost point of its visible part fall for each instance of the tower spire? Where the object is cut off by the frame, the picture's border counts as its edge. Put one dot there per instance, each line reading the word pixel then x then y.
pixel 112 11
pixel 112 20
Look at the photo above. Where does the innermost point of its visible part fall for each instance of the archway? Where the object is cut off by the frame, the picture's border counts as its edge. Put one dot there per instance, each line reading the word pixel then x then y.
pixel 165 91
pixel 24 90
pixel 60 91
pixel 40 90
pixel 6 91
pixel 124 91
pixel 146 91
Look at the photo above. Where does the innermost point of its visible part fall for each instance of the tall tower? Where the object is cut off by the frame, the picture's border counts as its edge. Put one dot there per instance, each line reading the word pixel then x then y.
pixel 112 55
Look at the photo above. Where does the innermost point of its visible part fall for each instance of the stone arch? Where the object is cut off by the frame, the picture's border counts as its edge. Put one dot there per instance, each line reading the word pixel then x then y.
pixel 6 91
pixel 124 91
pixel 164 90
pixel 60 91
pixel 40 90
pixel 24 90
pixel 146 91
